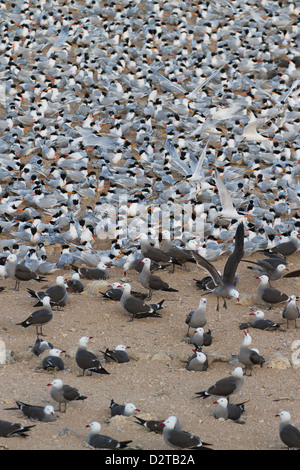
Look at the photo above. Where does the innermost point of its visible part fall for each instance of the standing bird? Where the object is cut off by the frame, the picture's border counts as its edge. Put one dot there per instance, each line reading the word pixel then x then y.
pixel 8 429
pixel 64 393
pixel 198 361
pixel 86 360
pixel 129 409
pixel 261 322
pixel 40 317
pixel 100 441
pixel 288 433
pixel 119 354
pixel 291 311
pixel 225 387
pixel 53 361
pixel 224 285
pixel 180 439
pixel 227 410
pixel 58 294
pixel 19 272
pixel 197 318
pixel 249 357
pixel 152 281
pixel 269 294
pixel 35 412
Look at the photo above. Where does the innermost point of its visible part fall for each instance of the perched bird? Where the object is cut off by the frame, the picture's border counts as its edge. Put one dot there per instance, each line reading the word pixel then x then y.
pixel 288 433
pixel 197 318
pixel 129 409
pixel 200 338
pixel 20 272
pixel 225 387
pixel 198 361
pixel 180 439
pixel 224 285
pixel 119 354
pixel 259 321
pixel 64 393
pixel 269 294
pixel 152 281
pixel 100 441
pixel 249 357
pixel 8 429
pixel 291 311
pixel 86 360
pixel 53 361
pixel 227 410
pixel 57 293
pixel 35 412
pixel 40 317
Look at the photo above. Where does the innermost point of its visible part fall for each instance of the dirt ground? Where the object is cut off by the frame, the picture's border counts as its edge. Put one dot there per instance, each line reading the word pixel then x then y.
pixel 155 379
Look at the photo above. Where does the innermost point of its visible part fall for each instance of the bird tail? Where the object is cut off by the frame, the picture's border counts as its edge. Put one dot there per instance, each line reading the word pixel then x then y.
pixel 202 394
pixel 32 293
pixel 158 306
pixel 123 444
pixel 81 397
pixel 100 370
pixel 40 278
pixel 140 421
pixel 170 289
pixel 75 267
pixel 24 324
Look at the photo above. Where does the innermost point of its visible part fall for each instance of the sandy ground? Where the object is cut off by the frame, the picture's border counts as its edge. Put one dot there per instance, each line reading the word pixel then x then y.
pixel 155 379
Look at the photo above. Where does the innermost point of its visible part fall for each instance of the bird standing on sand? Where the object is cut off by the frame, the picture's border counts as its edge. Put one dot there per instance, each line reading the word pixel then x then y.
pixel 64 393
pixel 197 318
pixel 288 433
pixel 249 357
pixel 86 360
pixel 40 317
pixel 19 272
pixel 152 281
pixel 225 387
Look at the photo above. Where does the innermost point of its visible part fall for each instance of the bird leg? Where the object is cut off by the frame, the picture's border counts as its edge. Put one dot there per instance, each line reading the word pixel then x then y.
pixel 218 304
pixel 224 303
pixel 149 294
pixel 17 285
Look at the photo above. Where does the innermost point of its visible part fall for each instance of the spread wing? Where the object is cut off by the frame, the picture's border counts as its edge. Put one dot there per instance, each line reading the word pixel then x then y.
pixel 235 257
pixel 208 266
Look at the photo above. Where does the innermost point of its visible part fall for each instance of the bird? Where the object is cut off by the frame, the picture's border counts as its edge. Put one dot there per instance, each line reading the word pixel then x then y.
pixel 129 409
pixel 113 293
pixel 268 267
pixel 62 393
pixel 86 360
pixel 100 441
pixel 269 294
pixel 135 307
pixel 198 361
pixel 224 285
pixel 197 318
pixel 154 254
pixel 19 272
pixel 227 410
pixel 152 281
pixel 287 248
pixel 152 425
pixel 288 433
pixel 96 274
pixel 225 387
pixel 119 354
pixel 40 346
pixel 39 317
pixel 247 356
pixel 58 294
pixel 74 284
pixel 263 323
pixel 45 414
pixel 8 429
pixel 180 439
pixel 291 311
pixel 200 338
pixel 53 361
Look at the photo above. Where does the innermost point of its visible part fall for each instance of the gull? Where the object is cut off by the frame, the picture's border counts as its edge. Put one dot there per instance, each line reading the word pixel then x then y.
pixel 224 284
pixel 228 211
pixel 100 441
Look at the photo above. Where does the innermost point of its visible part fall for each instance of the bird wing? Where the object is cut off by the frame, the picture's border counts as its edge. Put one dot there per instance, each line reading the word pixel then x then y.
pixel 234 259
pixel 225 198
pixel 183 439
pixel 208 266
pixel 70 393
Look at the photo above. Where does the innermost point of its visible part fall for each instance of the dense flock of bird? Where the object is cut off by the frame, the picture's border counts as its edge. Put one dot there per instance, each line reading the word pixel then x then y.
pixel 169 129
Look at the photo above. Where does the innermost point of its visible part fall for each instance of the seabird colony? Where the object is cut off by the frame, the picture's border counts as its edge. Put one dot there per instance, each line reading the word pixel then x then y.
pixel 150 136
